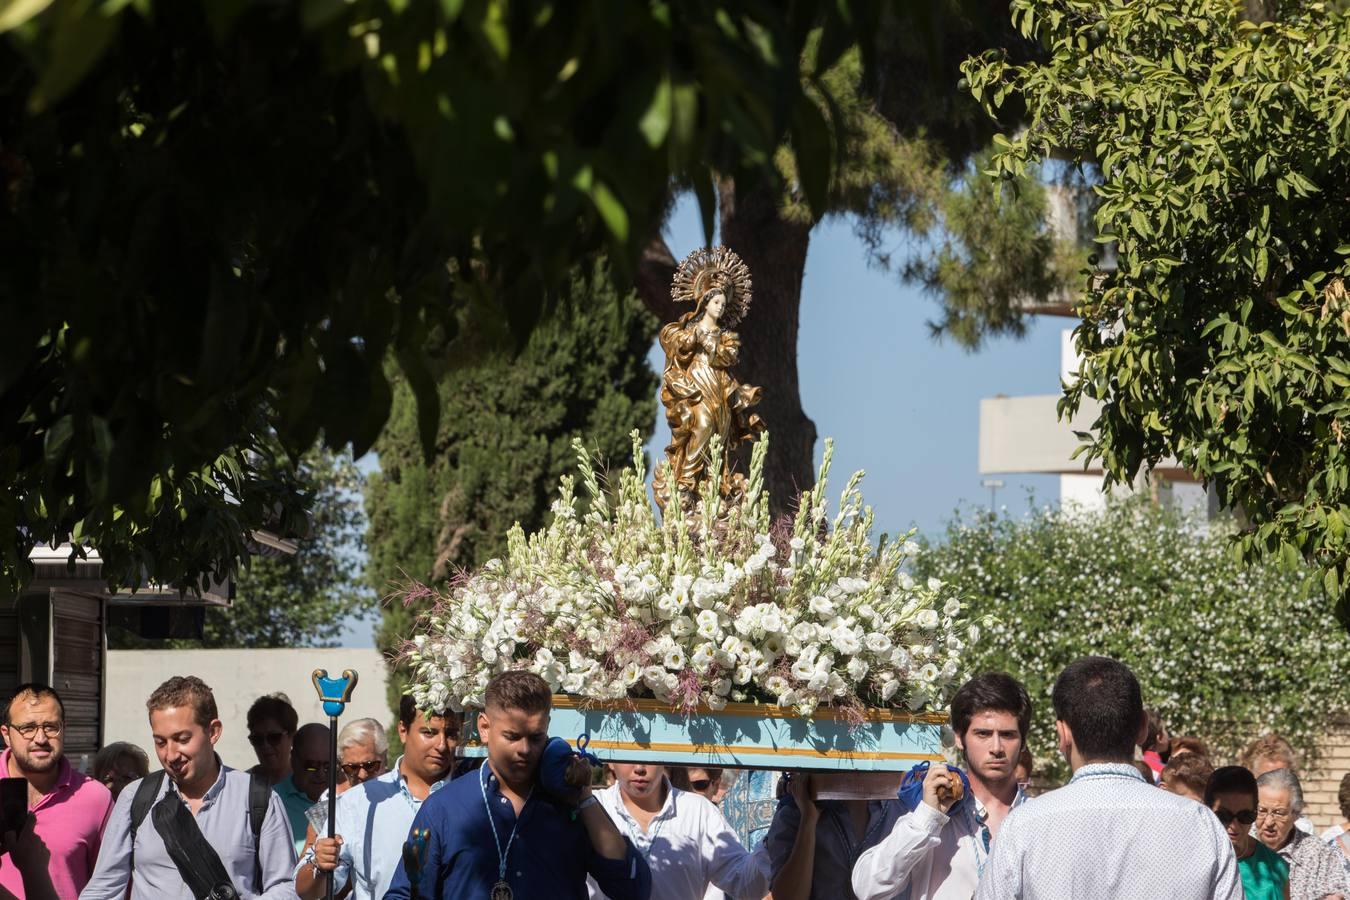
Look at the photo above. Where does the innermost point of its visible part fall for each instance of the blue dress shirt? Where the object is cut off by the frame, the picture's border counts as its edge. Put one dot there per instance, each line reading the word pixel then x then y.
pixel 550 857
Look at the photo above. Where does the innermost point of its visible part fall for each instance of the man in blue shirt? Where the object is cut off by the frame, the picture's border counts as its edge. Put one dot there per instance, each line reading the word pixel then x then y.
pixel 496 834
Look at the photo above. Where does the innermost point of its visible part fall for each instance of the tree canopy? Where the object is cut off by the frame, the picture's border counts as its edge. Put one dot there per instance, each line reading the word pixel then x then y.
pixel 220 220
pixel 1222 650
pixel 1215 138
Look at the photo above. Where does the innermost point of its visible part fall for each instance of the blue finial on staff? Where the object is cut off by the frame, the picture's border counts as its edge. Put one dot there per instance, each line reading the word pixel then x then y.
pixel 335 694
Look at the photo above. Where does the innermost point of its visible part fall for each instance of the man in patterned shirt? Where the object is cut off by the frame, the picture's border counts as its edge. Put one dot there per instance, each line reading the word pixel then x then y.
pixel 1107 833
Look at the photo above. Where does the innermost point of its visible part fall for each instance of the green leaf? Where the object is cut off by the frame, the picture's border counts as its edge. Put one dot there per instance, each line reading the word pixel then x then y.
pixel 655 122
pixel 611 210
pixel 14 13
pixel 80 39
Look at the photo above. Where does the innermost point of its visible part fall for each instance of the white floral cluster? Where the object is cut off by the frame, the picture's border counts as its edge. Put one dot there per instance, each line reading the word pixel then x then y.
pixel 719 605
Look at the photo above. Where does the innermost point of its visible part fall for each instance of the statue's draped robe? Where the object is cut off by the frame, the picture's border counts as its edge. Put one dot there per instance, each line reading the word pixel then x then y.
pixel 702 398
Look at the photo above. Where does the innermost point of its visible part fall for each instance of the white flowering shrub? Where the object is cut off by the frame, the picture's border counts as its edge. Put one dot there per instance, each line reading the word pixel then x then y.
pixel 696 611
pixel 1222 650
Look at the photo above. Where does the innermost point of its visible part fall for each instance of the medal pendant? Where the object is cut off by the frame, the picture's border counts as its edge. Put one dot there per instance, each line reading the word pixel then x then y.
pixel 501 891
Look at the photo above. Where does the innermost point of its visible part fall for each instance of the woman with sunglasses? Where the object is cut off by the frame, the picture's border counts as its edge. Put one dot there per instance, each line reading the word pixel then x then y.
pixel 272 723
pixel 1231 793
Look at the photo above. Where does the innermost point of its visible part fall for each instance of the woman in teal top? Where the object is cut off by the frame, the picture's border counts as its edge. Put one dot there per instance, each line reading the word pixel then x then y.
pixel 1231 793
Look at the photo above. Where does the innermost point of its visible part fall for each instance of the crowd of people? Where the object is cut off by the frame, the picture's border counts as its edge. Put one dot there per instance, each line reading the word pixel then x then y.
pixel 1145 814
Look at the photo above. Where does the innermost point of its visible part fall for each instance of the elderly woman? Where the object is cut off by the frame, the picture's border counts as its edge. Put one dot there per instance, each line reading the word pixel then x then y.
pixel 1315 871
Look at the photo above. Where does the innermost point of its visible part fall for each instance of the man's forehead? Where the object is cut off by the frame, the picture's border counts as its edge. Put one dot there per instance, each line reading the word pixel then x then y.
pixel 172 720
pixel 29 704
pixel 993 718
pixel 518 719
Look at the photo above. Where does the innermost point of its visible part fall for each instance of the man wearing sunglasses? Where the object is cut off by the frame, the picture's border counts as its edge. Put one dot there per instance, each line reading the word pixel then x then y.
pixel 373 818
pixel 308 779
pixel 1232 794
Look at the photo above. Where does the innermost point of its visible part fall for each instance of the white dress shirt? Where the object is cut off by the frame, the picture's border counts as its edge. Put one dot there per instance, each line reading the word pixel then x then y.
pixel 689 847
pixel 1109 834
pixel 936 856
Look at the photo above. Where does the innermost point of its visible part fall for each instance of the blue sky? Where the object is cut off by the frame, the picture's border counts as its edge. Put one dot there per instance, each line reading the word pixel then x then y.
pixel 901 406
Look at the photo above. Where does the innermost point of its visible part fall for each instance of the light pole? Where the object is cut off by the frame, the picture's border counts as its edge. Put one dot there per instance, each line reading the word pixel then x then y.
pixel 993 484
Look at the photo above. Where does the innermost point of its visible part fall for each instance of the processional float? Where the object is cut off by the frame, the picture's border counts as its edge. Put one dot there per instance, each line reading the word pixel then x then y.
pixel 697 629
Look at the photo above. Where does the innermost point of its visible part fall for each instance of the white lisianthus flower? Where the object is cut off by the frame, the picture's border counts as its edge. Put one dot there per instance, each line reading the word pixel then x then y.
pixel 951 607
pixel 787 699
pixel 653 676
pixel 777 685
pixel 857 669
pixel 771 621
pixel 804 668
pixel 632 674
pixel 917 698
pixel 707 625
pixel 877 643
pixel 703 656
pixel 845 641
pixel 673 659
pixel 935 584
pixel 797 543
pixel 722 686
pixel 950 668
pixel 821 606
pixel 716 703
pixel 681 626
pixel 929 673
pixel 928 619
pixel 818 682
pixel 973 632
pixel 773 645
pixel 804 632
pixel 905 581
pixel 742 674
pixel 573 683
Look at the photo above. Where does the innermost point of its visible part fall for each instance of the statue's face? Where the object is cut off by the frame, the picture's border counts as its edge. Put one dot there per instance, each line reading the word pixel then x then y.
pixel 715 303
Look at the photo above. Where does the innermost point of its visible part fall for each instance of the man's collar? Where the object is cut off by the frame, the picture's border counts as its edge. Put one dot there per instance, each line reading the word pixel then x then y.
pixel 1106 770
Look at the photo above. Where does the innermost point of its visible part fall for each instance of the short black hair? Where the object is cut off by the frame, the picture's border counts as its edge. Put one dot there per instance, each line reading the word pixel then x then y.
pixel 1099 699
pixel 1229 779
pixel 37 692
pixel 992 690
pixel 276 707
pixel 407 712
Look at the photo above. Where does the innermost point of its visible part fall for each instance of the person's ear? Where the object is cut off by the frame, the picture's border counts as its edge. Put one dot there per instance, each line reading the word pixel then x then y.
pixel 213 731
pixel 960 741
pixel 484 727
pixel 1064 735
pixel 1142 734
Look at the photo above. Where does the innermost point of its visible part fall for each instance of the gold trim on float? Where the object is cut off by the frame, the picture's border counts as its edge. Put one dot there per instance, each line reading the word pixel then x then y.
pixel 753 710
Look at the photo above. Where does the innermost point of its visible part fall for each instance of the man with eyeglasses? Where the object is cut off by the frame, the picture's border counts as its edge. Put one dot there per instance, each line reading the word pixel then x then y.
pixel 66 809
pixel 1232 794
pixel 373 818
pixel 308 779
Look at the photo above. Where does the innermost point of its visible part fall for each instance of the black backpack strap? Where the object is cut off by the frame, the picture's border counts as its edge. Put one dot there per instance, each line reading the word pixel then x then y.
pixel 146 792
pixel 259 796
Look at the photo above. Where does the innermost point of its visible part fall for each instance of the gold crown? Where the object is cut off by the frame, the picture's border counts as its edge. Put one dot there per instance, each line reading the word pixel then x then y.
pixel 707 268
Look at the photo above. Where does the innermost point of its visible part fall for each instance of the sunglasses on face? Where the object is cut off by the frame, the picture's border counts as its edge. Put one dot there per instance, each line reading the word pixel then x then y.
pixel 272 739
pixel 312 766
pixel 1243 816
pixel 700 784
pixel 370 766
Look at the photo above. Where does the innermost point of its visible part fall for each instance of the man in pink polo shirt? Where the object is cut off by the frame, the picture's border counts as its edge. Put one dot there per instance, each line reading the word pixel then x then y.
pixel 70 808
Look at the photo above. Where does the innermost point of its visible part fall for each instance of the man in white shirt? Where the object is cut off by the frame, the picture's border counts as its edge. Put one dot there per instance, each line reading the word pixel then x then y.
pixel 1107 833
pixel 687 843
pixel 939 849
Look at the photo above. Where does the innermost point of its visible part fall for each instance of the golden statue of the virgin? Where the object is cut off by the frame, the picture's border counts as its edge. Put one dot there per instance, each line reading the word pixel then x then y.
pixel 701 396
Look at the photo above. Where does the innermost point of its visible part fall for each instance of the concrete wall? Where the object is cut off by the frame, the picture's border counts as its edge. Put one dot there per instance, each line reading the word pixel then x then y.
pixel 237 678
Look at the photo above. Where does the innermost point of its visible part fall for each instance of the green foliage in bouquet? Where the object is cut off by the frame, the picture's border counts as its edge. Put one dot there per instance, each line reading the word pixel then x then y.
pixel 1222 650
pixel 719 605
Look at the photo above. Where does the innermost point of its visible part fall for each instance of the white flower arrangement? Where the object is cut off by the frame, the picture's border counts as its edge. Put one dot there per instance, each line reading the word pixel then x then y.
pixel 720 605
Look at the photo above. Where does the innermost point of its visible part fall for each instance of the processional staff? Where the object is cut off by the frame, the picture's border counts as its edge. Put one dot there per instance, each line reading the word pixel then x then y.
pixel 335 694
